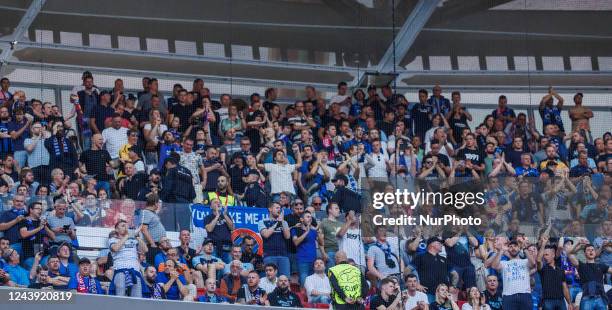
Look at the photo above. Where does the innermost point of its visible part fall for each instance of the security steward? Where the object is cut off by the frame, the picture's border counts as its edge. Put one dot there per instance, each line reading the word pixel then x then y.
pixel 348 283
pixel 177 185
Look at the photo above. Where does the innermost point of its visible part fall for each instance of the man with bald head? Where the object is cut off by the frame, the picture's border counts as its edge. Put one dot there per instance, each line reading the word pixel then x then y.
pixel 439 103
pixel 91 161
pixel 348 283
pixel 282 296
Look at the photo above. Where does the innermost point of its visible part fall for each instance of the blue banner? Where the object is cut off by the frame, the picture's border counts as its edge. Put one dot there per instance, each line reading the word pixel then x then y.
pixel 243 217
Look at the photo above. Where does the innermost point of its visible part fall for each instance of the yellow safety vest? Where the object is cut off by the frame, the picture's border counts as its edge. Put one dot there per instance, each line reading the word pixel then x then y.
pixel 226 200
pixel 349 280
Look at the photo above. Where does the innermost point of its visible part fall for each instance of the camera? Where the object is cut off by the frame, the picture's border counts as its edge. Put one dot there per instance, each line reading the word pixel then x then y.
pixel 66 228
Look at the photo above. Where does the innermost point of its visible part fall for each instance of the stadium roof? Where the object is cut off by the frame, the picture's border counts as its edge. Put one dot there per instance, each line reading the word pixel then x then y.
pixel 292 43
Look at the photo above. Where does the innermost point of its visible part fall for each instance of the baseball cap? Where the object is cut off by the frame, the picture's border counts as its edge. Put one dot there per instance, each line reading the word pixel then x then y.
pixel 340 177
pixel 84 260
pixel 155 171
pixel 207 241
pixel 104 92
pixel 433 239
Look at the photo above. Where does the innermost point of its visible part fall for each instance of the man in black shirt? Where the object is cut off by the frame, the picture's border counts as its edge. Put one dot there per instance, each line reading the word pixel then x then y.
pixel 421 115
pixel 347 199
pixel 528 207
pixel 42 280
pixel 183 110
pixel 95 161
pixel 474 158
pixel 432 267
pixel 254 194
pixel 100 112
pixel 493 297
pixel 282 296
pixel 219 226
pixel 389 297
pixel 554 287
pixel 177 185
pixel 130 185
pixel 591 277
pixel 251 293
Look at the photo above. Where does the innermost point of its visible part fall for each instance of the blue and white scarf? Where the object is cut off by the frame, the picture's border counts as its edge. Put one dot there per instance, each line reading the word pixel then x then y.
pixel 57 150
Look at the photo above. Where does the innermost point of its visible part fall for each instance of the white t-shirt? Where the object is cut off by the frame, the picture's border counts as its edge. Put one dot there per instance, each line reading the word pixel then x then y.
pixel 377 165
pixel 344 108
pixel 442 148
pixel 223 113
pixel 162 129
pixel 316 282
pixel 412 301
pixel 332 172
pixel 515 275
pixel 114 140
pixel 127 256
pixel 467 306
pixel 352 245
pixel 280 178
pixel 267 285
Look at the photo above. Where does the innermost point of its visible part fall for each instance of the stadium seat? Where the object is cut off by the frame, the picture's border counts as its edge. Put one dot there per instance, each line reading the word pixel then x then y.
pixel 320 306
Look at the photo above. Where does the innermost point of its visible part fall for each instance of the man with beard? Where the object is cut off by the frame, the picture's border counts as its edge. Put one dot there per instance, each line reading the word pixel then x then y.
pixel 251 293
pixel 223 193
pixel 162 255
pixel 516 276
pixel 233 281
pixel 6 142
pixel 250 256
pixel 154 185
pixel 214 168
pixel 152 288
pixel 282 296
pixel 552 159
pixel 62 153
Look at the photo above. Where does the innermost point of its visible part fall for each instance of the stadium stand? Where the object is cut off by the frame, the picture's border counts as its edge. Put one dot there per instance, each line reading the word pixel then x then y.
pixel 143 180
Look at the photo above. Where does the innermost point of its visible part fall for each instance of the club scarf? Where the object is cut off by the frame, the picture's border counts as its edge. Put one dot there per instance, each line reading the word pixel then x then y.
pixel 57 150
pixel 89 288
pixel 19 212
pixel 157 291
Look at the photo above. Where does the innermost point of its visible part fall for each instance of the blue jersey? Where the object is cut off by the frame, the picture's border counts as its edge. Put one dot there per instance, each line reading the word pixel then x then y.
pixel 6 144
pixel 551 115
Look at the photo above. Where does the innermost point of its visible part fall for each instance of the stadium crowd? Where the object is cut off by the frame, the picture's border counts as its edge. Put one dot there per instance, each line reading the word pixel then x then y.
pixel 545 241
